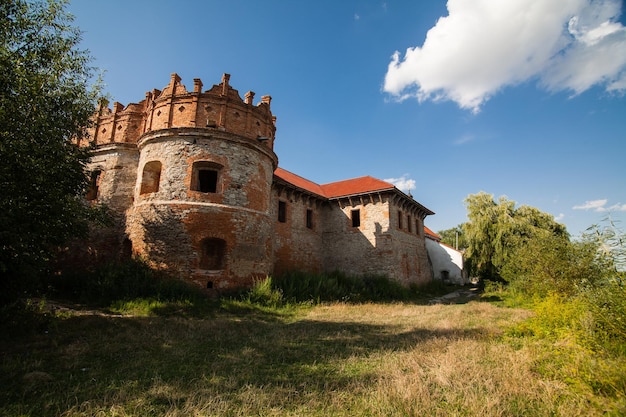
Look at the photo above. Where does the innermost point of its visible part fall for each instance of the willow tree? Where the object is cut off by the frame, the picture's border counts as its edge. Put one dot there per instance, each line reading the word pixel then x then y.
pixel 45 101
pixel 495 229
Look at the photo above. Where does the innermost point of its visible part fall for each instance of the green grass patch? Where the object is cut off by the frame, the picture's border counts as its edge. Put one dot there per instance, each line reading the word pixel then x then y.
pixel 340 359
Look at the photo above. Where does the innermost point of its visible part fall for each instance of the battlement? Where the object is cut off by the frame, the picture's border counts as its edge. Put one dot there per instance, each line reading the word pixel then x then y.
pixel 219 108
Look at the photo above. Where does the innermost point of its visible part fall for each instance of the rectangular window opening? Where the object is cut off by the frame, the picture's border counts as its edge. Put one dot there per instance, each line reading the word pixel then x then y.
pixel 356 218
pixel 399 219
pixel 207 181
pixel 282 211
pixel 309 218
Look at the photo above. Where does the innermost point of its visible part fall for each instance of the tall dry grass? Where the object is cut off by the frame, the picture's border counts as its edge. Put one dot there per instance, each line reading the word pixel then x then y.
pixel 333 359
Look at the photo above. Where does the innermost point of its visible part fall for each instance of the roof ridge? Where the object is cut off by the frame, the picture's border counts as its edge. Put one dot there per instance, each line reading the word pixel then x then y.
pixel 296 175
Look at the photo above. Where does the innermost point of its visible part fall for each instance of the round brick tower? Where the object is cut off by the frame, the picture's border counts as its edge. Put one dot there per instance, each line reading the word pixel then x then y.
pixel 201 202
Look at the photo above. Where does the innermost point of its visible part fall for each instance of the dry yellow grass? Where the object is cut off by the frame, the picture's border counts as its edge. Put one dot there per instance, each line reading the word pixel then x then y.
pixel 338 359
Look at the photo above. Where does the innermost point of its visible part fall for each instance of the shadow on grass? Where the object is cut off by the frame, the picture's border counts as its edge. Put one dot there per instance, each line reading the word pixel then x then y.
pixel 115 361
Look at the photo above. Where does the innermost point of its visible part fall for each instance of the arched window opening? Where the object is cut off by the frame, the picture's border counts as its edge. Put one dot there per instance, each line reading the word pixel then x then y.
pixel 127 249
pixel 94 185
pixel 212 253
pixel 205 177
pixel 151 177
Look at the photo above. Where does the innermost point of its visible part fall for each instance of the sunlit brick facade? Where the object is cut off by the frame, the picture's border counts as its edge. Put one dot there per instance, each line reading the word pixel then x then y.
pixel 194 185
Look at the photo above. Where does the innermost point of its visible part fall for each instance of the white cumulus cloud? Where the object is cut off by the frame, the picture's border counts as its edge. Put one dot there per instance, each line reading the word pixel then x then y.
pixel 600 206
pixel 483 46
pixel 404 183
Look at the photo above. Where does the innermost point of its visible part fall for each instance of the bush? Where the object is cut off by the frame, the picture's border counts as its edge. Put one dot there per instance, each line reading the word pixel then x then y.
pixel 547 264
pixel 263 293
pixel 337 286
pixel 122 281
pixel 607 305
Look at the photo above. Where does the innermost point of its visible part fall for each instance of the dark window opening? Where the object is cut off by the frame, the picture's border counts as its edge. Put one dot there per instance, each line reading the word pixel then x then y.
pixel 445 275
pixel 399 219
pixel 151 177
pixel 209 285
pixel 309 218
pixel 127 249
pixel 356 218
pixel 94 185
pixel 212 254
pixel 207 181
pixel 205 177
pixel 408 223
pixel 282 211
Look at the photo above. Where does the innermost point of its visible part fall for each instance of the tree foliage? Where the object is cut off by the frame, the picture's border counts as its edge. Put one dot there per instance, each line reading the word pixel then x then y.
pixel 496 228
pixel 454 237
pixel 45 101
pixel 546 265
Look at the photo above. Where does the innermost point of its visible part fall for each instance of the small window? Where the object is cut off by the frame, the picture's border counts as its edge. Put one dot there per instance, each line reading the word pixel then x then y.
pixel 445 276
pixel 309 218
pixel 205 177
pixel 408 223
pixel 356 218
pixel 399 219
pixel 282 211
pixel 94 185
pixel 212 252
pixel 207 181
pixel 151 177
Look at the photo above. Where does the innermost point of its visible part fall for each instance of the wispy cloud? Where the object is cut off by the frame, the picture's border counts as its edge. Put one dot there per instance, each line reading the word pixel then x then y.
pixel 465 139
pixel 404 183
pixel 484 46
pixel 560 217
pixel 600 206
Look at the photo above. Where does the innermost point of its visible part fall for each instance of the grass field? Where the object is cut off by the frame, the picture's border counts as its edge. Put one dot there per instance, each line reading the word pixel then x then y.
pixel 238 359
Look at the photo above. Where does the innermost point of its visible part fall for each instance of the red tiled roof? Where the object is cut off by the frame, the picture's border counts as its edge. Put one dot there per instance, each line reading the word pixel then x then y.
pixel 298 181
pixel 335 189
pixel 431 233
pixel 355 186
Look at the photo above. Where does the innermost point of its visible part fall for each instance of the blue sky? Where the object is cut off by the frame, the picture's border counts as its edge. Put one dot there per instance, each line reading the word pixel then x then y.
pixel 444 98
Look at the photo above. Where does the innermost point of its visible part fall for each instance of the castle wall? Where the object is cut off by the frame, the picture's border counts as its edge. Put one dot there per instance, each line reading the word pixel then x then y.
pixel 189 177
pixel 409 258
pixel 172 222
pixel 358 249
pixel 219 108
pixel 297 243
pixel 114 172
pixel 376 246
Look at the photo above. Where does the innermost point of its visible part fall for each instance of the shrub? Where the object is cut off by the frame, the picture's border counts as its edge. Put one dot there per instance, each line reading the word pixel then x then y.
pixel 547 264
pixel 263 293
pixel 337 286
pixel 607 305
pixel 122 281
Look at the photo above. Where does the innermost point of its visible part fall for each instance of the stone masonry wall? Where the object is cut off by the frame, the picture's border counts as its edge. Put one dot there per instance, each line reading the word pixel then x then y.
pixel 296 246
pixel 377 246
pixel 170 224
pixel 114 172
pixel 357 250
pixel 219 108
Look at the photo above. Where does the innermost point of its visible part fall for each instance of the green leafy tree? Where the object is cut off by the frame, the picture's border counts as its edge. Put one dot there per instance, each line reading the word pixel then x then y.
pixel 496 228
pixel 454 236
pixel 45 101
pixel 547 264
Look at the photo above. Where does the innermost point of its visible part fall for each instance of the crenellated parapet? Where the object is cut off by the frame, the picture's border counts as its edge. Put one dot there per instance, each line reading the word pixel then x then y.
pixel 219 108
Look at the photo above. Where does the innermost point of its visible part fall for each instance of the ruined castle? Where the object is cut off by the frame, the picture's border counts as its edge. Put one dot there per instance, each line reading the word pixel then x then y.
pixel 193 183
